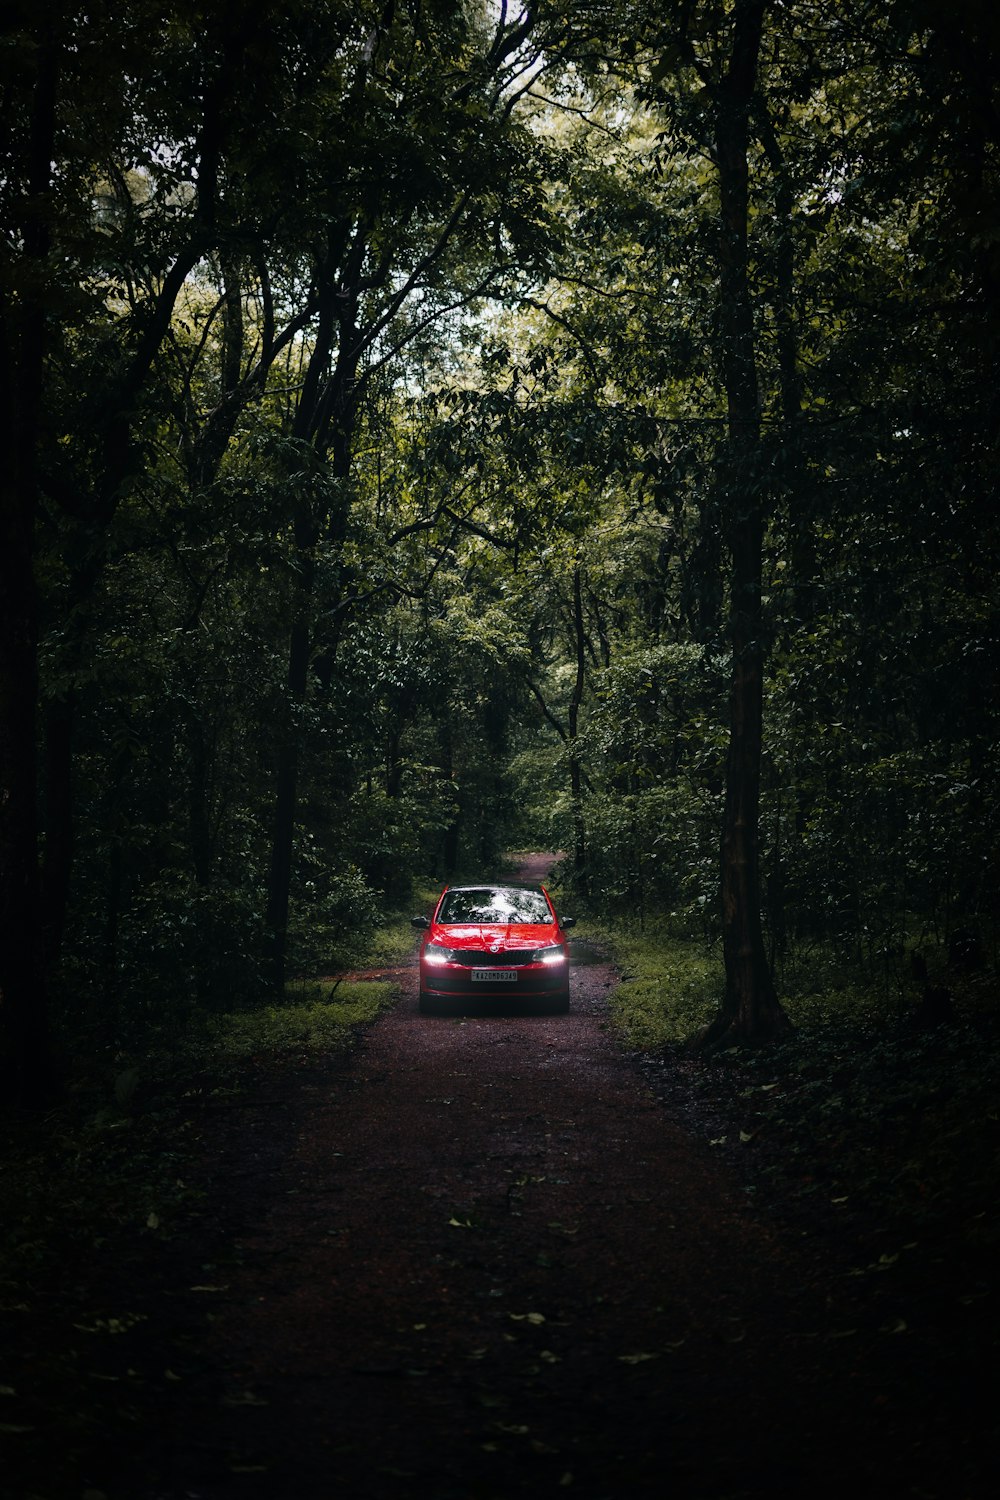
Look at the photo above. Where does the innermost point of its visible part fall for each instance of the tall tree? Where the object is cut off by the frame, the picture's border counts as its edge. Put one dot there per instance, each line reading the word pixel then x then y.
pixel 751 1010
pixel 26 281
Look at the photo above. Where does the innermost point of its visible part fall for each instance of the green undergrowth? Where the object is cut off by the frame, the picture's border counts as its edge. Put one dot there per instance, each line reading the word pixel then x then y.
pixel 669 986
pixel 868 1122
pixel 101 1196
pixel 111 1157
pixel 109 1164
pixel 318 1016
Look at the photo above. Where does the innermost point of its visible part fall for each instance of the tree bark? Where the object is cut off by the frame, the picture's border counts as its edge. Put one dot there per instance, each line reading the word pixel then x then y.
pixel 326 417
pixel 57 864
pixel 750 1009
pixel 24 1058
pixel 572 742
pixel 286 793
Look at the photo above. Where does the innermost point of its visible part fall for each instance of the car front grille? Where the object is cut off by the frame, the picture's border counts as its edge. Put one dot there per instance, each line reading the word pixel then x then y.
pixel 513 960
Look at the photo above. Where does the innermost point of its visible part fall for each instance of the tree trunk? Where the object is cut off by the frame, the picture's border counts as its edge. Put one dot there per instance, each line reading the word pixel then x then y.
pixel 24 1059
pixel 750 1010
pixel 286 797
pixel 326 417
pixel 572 743
pixel 24 1055
pixel 60 716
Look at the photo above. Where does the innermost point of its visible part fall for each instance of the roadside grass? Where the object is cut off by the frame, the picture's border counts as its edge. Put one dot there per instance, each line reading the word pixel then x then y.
pixel 317 1017
pixel 867 1126
pixel 396 939
pixel 100 1191
pixel 668 987
pixel 101 1196
pixel 319 1014
pixel 112 1154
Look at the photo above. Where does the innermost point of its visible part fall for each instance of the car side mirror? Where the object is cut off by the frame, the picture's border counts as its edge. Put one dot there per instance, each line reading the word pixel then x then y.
pixel 565 922
pixel 420 922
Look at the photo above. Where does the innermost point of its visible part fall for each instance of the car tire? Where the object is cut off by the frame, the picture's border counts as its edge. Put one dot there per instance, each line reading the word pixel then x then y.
pixel 423 1004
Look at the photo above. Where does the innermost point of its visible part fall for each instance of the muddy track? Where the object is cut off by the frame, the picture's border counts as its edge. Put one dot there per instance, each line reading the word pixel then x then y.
pixel 489 1267
pixel 477 1260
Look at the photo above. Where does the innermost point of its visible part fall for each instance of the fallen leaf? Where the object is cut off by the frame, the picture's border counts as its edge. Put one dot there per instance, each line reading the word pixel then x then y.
pixel 635 1359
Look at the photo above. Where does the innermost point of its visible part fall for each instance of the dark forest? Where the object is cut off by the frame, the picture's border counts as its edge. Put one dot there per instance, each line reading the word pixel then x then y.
pixel 436 429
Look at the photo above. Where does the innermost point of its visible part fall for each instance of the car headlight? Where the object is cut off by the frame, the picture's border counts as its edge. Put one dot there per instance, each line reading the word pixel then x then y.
pixel 550 956
pixel 435 955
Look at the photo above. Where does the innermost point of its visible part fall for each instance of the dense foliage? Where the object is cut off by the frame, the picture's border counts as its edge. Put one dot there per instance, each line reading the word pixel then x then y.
pixel 435 427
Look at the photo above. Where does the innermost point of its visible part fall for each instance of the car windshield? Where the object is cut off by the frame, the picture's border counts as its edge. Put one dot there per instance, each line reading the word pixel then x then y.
pixel 495 905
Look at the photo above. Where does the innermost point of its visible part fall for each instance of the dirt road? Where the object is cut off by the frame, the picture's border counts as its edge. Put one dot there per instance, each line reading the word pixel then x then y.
pixel 477 1260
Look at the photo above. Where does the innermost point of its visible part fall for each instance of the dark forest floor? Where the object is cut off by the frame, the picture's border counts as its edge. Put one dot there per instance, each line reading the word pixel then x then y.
pixel 491 1257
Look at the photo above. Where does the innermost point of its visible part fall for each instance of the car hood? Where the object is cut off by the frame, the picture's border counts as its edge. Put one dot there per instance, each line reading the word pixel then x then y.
pixel 495 938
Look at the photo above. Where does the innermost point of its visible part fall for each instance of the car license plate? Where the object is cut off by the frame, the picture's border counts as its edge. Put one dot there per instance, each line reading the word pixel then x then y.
pixel 505 976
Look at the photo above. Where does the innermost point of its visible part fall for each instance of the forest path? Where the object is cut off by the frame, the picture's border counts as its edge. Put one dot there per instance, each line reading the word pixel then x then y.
pixel 475 1260
pixel 483 1263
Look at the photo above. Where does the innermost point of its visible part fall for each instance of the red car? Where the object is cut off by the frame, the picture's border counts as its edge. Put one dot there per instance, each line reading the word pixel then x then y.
pixel 494 942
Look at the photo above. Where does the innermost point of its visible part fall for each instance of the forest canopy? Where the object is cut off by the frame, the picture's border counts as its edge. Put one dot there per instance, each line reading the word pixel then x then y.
pixel 431 428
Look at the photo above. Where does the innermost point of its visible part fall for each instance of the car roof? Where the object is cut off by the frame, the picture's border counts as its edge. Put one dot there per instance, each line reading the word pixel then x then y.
pixel 493 885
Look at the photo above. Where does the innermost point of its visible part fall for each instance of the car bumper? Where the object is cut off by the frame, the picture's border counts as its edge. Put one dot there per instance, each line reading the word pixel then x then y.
pixel 542 980
pixel 537 986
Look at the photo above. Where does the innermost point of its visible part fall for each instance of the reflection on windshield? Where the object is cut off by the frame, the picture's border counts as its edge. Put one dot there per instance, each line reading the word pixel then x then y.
pixel 501 907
